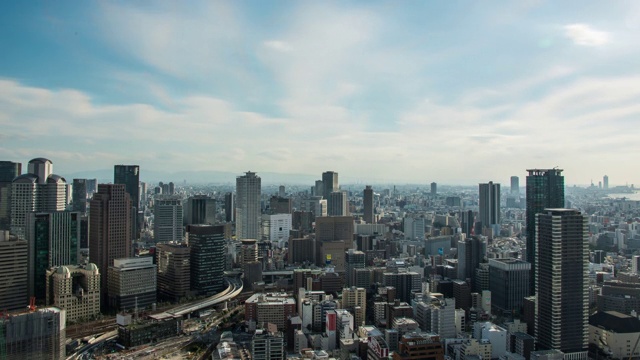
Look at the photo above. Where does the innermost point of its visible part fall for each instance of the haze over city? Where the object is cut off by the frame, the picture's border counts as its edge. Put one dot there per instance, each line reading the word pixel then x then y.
pixel 448 92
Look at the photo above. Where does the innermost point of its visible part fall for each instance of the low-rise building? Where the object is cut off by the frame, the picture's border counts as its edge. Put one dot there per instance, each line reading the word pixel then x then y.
pixel 274 308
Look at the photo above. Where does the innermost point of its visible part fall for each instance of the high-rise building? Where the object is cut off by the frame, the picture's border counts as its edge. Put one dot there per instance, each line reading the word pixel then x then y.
pixel 367 204
pixel 280 205
pixel 515 187
pixel 129 175
pixel 276 227
pixel 92 186
pixel 36 191
pixel 301 250
pixel 207 258
pixel 37 335
pixel 509 284
pixel 109 229
pixel 316 205
pixel 132 283
pixel 405 283
pixel 545 189
pixel 329 185
pixel 200 209
pixel 13 272
pixel 489 204
pixel 79 195
pixel 467 219
pixel 434 189
pixel 331 228
pixel 605 182
pixel 339 203
pixel 318 189
pixel 54 240
pixel 353 260
pixel 355 299
pixel 174 271
pixel 167 220
pixel 562 282
pixel 230 207
pixel 248 190
pixel 8 171
pixel 76 289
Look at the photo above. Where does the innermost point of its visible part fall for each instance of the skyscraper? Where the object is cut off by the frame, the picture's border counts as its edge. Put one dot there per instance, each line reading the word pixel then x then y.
pixel 605 182
pixel 167 220
pixel 79 195
pixel 230 207
pixel 248 190
pixel 545 189
pixel 129 175
pixel 8 171
pixel 207 258
pixel 36 191
pixel 14 281
pixel 367 203
pixel 109 229
pixel 200 209
pixel 562 284
pixel 515 187
pixel 329 184
pixel 339 203
pixel 509 284
pixel 434 189
pixel 353 260
pixel 489 204
pixel 54 240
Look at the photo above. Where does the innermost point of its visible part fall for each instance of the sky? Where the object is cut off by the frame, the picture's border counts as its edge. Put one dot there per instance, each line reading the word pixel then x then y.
pixel 456 92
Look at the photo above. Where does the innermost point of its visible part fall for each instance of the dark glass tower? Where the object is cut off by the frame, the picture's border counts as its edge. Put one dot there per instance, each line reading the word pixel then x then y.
pixel 129 175
pixel 368 214
pixel 207 258
pixel 8 171
pixel 330 184
pixel 545 189
pixel 562 284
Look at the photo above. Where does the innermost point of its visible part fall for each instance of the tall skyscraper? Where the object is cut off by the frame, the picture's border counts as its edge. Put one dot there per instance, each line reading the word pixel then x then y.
pixel 79 195
pixel 353 260
pixel 339 203
pixel 318 189
pixel 109 229
pixel 129 176
pixel 230 207
pixel 605 182
pixel 54 240
pixel 174 271
pixel 14 277
pixel 167 220
pixel 329 185
pixel 36 191
pixel 248 190
pixel 515 187
pixel 545 189
pixel 434 189
pixel 562 283
pixel 8 171
pixel 207 258
pixel 367 202
pixel 489 204
pixel 200 209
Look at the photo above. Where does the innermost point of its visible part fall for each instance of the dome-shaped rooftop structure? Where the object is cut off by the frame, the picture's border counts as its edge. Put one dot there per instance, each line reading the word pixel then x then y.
pixel 53 179
pixel 40 160
pixel 63 270
pixel 26 178
pixel 93 267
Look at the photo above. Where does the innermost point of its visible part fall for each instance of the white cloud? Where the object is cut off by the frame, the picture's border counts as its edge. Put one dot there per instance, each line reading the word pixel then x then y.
pixel 585 35
pixel 278 45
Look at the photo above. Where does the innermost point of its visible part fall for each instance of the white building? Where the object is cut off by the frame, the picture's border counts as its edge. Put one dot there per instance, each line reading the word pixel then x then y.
pixel 276 228
pixel 248 190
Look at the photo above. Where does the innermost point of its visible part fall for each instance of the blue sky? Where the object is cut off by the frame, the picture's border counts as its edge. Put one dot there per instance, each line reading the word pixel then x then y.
pixel 454 92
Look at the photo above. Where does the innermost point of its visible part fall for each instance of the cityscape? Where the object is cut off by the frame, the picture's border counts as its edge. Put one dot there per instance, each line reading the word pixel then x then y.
pixel 319 180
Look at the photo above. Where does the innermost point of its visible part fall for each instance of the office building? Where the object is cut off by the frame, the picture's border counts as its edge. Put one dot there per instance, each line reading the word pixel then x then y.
pixel 132 283
pixel 367 205
pixel 339 204
pixel 276 227
pixel 515 187
pixel 354 259
pixel 331 228
pixel 414 227
pixel 419 346
pixel 92 187
pixel 167 220
pixel 109 230
pixel 207 258
pixel 8 171
pixel 200 209
pixel 230 207
pixel 248 191
pixel 13 272
pixel 267 345
pixel 34 335
pixel 280 205
pixel 354 299
pixel 562 284
pixel 36 191
pixel 174 271
pixel 545 189
pixel 79 196
pixel 405 284
pixel 75 289
pixel 605 182
pixel 129 176
pixel 316 205
pixel 434 189
pixel 471 252
pixel 614 334
pixel 489 204
pixel 54 240
pixel 509 284
pixel 330 185
pixel 301 250
pixel 273 308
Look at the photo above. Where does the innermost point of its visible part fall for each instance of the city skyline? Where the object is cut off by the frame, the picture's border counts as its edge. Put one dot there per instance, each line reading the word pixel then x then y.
pixel 266 86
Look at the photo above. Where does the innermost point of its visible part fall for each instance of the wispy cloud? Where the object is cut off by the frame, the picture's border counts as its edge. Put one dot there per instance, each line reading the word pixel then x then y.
pixel 585 35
